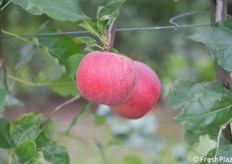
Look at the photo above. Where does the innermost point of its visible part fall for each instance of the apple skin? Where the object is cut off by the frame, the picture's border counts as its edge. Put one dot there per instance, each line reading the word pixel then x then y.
pixel 146 94
pixel 106 77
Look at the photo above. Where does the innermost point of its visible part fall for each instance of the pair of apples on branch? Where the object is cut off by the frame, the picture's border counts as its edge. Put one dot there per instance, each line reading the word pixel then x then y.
pixel 130 88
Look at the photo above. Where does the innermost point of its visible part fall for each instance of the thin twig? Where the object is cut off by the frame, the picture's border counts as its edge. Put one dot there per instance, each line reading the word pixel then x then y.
pixel 222 127
pixel 6 5
pixel 33 84
pixel 59 107
pixel 101 150
pixel 27 82
pixel 2 62
pixel 7 33
pixel 218 141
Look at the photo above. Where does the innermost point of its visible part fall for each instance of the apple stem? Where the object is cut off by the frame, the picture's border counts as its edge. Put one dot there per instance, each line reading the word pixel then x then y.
pixel 110 35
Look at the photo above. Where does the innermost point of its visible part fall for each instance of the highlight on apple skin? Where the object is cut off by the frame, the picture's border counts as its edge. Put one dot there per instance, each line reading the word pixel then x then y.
pixel 145 96
pixel 106 77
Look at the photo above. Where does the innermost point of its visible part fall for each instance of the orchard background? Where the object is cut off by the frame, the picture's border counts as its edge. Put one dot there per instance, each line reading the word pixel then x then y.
pixel 37 77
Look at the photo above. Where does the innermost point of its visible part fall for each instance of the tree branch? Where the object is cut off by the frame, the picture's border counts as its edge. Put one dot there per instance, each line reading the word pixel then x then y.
pixel 111 34
pixel 61 106
pixel 219 12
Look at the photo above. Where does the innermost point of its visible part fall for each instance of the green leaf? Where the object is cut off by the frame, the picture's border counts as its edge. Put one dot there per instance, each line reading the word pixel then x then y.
pixel 109 11
pixel 218 41
pixel 52 151
pixel 3 93
pixel 85 40
pixel 61 47
pixel 106 14
pixel 1 2
pixel 26 152
pixel 55 153
pixel 90 43
pixel 225 152
pixel 192 137
pixel 26 127
pixel 202 148
pixel 78 116
pixel 5 139
pixel 181 92
pixel 64 86
pixel 25 54
pixel 62 10
pixel 203 105
pixel 49 128
pixel 28 6
pixel 90 26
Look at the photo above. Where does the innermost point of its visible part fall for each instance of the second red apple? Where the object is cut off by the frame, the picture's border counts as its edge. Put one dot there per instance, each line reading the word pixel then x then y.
pixel 146 94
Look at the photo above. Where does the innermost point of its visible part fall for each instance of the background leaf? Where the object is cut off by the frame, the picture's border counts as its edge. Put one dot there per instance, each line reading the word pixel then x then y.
pixel 5 139
pixel 204 106
pixel 26 152
pixel 62 10
pixel 64 86
pixel 25 54
pixel 72 64
pixel 132 159
pixel 61 47
pixel 26 127
pixel 218 41
pixel 51 67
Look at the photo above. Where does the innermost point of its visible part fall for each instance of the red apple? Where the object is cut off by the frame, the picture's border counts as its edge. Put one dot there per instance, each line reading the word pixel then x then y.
pixel 106 77
pixel 146 94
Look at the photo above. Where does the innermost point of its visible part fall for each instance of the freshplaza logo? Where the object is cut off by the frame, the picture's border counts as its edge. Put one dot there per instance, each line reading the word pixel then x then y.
pixel 198 159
